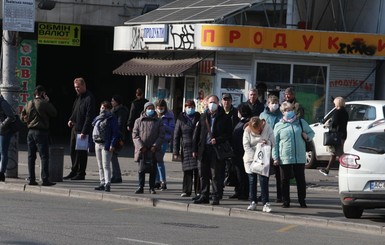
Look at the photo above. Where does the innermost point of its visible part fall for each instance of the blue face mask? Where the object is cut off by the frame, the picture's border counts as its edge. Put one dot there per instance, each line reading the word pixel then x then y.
pixel 150 112
pixel 190 111
pixel 290 114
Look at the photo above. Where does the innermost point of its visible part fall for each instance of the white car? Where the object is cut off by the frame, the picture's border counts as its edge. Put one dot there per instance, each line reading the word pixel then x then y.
pixel 361 177
pixel 361 115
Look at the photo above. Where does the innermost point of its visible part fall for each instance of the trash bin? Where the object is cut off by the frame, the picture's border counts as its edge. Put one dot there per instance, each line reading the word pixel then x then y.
pixel 56 164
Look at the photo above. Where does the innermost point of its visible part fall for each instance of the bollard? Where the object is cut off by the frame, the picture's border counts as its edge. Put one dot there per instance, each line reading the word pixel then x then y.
pixel 56 164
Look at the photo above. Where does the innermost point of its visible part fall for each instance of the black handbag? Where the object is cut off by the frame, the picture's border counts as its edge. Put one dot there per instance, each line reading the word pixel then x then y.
pixel 332 138
pixel 145 162
pixel 223 151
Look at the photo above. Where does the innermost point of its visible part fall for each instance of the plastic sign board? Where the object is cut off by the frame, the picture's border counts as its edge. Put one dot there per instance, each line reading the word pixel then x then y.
pixel 59 34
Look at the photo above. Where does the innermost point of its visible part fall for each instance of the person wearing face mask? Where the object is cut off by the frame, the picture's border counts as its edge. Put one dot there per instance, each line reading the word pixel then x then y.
pixel 289 152
pixel 183 139
pixel 148 136
pixel 214 127
pixel 168 120
pixel 272 115
pixel 105 134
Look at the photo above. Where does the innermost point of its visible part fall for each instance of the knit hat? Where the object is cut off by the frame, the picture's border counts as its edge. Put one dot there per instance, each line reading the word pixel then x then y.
pixel 147 105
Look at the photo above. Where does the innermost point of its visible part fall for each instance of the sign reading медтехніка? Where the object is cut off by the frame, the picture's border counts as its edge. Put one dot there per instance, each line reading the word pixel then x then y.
pixel 59 34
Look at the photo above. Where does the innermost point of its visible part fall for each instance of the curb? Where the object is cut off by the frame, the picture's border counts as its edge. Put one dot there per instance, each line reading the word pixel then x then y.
pixel 196 208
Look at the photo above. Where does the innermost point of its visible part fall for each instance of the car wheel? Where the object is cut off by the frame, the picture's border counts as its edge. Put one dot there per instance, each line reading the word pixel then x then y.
pixel 311 161
pixel 352 212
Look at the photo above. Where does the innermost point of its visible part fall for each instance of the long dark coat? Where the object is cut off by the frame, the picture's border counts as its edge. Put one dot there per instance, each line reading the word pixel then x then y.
pixel 183 140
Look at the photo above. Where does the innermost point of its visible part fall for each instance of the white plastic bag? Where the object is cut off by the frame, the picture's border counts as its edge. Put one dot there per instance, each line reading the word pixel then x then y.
pixel 261 161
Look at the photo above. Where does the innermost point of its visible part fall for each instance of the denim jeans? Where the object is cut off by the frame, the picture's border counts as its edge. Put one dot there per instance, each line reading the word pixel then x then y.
pixel 161 169
pixel 103 157
pixel 116 173
pixel 264 184
pixel 38 140
pixel 5 140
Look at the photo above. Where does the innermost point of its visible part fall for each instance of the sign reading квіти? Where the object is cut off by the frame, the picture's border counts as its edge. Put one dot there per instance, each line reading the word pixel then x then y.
pixel 58 34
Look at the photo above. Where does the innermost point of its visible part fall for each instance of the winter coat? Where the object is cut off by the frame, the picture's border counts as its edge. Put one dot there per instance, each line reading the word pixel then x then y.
pixel 83 112
pixel 233 115
pixel 111 129
pixel 169 124
pixel 289 145
pixel 271 118
pixel 135 111
pixel 250 141
pixel 121 114
pixel 236 141
pixel 222 130
pixel 256 109
pixel 148 132
pixel 183 140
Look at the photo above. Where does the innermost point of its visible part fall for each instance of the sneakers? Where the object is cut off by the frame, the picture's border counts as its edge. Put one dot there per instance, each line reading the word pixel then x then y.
pixel 266 208
pixel 252 206
pixel 163 186
pixel 152 191
pixel 107 188
pixel 324 171
pixel 185 195
pixel 100 188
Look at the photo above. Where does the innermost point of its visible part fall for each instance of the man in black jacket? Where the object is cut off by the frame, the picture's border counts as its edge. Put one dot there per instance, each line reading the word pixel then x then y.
pixel 213 128
pixel 136 108
pixel 83 112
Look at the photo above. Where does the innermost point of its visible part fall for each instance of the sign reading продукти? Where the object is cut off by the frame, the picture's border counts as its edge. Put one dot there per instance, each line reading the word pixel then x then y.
pixel 59 34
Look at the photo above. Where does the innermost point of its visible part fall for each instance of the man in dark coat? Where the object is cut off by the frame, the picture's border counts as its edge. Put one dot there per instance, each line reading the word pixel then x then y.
pixel 83 113
pixel 255 105
pixel 136 108
pixel 214 128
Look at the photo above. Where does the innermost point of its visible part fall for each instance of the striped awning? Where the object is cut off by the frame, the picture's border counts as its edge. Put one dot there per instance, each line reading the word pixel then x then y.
pixel 155 67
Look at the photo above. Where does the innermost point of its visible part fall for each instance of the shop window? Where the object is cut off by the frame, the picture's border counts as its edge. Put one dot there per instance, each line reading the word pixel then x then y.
pixel 308 80
pixel 162 89
pixel 232 83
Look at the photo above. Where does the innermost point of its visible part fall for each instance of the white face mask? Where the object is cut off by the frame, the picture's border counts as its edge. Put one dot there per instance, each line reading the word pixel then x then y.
pixel 160 111
pixel 213 107
pixel 273 107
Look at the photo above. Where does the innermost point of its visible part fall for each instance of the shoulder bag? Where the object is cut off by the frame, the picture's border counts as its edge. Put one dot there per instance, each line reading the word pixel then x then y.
pixel 223 150
pixel 332 138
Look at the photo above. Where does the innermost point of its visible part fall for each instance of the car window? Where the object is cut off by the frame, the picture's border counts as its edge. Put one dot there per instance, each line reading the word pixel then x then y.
pixel 371 143
pixel 361 112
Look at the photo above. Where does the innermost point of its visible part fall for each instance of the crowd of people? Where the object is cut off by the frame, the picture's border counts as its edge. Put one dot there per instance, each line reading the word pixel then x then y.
pixel 194 137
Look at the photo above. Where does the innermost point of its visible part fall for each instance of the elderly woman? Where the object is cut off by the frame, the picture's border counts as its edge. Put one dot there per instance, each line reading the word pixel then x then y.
pixel 289 152
pixel 148 137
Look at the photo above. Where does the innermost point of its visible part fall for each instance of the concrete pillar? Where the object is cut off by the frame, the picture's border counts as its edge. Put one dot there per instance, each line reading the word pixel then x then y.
pixel 10 89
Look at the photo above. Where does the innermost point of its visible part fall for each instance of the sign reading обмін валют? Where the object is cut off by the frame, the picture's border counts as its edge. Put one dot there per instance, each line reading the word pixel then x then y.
pixel 59 34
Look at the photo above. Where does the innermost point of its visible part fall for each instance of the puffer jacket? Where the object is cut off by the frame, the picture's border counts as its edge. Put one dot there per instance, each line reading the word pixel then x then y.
pixel 148 132
pixel 250 141
pixel 289 145
pixel 169 124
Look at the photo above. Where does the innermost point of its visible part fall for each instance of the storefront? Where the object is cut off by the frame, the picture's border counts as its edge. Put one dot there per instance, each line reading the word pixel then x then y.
pixel 234 59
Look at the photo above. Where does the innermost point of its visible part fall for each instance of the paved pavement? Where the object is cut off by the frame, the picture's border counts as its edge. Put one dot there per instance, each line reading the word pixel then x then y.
pixel 322 195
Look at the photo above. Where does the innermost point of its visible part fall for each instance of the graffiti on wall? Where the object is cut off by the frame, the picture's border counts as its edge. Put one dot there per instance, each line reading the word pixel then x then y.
pixel 182 38
pixel 358 46
pixel 137 41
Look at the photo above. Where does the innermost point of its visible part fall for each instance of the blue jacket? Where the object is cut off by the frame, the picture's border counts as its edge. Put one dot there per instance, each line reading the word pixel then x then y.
pixel 112 130
pixel 169 125
pixel 271 118
pixel 289 145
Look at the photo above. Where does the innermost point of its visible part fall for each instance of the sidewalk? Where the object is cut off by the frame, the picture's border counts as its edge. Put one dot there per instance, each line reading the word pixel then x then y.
pixel 322 194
